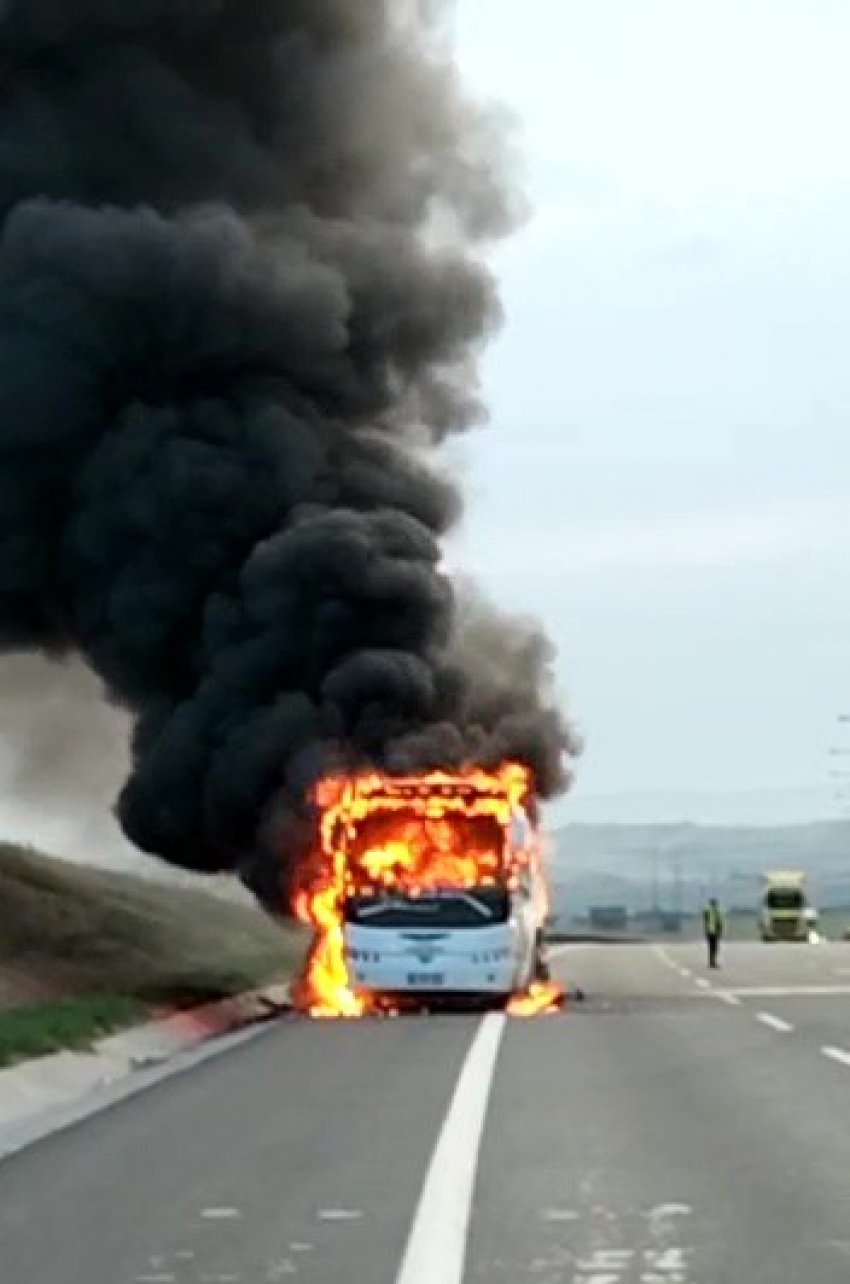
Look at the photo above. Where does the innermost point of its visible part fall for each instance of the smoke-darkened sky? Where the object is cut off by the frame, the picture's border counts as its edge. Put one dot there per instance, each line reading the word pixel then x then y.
pixel 664 480
pixel 243 296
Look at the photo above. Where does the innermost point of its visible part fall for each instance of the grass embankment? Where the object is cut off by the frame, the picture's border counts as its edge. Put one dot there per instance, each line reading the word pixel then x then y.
pixel 84 952
pixel 42 1028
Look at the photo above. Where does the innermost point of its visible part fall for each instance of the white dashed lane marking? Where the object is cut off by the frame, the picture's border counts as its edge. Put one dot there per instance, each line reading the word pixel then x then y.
pixel 775 1022
pixel 837 1054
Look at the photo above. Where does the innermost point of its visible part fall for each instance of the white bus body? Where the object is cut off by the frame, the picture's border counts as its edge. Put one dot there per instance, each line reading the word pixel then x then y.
pixel 452 941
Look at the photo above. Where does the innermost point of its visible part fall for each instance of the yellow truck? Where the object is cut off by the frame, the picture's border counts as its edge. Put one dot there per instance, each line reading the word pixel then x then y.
pixel 786 913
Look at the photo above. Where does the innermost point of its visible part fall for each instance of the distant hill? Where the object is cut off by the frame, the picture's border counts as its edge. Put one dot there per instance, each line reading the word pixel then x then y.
pixel 679 864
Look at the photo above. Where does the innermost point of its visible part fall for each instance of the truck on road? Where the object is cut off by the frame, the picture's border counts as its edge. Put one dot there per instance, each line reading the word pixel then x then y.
pixel 786 911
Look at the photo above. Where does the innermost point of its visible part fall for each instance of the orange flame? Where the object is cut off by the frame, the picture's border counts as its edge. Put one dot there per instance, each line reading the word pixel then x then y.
pixel 416 834
pixel 540 997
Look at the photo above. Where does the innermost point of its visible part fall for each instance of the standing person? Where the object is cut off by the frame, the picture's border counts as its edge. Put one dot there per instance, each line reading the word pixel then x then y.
pixel 713 924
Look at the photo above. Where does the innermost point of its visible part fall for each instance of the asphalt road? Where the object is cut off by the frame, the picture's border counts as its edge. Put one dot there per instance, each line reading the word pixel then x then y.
pixel 678 1127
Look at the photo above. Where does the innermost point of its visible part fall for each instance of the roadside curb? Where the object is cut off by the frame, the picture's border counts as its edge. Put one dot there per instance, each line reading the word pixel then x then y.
pixel 33 1087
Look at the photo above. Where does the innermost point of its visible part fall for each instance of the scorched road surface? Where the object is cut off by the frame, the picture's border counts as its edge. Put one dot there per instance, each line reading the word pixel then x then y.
pixel 663 1132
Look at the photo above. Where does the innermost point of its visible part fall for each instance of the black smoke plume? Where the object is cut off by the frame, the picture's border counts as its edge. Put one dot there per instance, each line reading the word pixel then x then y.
pixel 241 301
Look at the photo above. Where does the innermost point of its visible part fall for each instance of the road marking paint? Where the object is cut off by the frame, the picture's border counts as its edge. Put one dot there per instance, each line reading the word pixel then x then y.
pixel 604 1266
pixel 281 1270
pixel 725 996
pixel 340 1214
pixel 775 1022
pixel 664 1211
pixel 703 984
pixel 670 1264
pixel 559 1215
pixel 436 1248
pixel 837 1054
pixel 685 972
pixel 221 1214
pixel 608 1259
pixel 790 991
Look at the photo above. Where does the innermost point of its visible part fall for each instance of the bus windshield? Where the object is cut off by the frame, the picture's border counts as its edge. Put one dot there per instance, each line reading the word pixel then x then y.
pixel 476 907
pixel 402 850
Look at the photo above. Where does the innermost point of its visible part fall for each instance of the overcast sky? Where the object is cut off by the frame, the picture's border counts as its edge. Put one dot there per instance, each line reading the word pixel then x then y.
pixel 666 476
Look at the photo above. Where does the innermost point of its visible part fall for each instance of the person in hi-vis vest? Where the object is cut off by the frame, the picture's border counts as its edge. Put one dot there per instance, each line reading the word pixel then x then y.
pixel 713 924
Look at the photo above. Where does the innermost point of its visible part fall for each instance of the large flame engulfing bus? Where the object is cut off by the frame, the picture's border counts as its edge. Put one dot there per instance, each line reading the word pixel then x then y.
pixel 425 886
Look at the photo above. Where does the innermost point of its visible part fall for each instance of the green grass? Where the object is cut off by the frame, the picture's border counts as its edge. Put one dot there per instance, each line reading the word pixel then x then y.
pixel 84 950
pixel 42 1028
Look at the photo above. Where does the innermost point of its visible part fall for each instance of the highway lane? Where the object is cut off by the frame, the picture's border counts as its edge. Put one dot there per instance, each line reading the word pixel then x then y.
pixel 753 964
pixel 664 1135
pixel 298 1155
pixel 792 989
pixel 656 1134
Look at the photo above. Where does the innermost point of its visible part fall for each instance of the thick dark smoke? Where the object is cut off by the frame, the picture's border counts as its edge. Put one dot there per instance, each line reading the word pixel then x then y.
pixel 240 303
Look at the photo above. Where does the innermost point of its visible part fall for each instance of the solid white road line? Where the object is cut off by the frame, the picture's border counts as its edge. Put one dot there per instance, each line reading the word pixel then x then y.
pixel 436 1248
pixel 775 1022
pixel 791 991
pixel 837 1054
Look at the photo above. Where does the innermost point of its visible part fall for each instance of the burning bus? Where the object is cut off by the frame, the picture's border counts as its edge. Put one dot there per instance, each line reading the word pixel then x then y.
pixel 425 885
